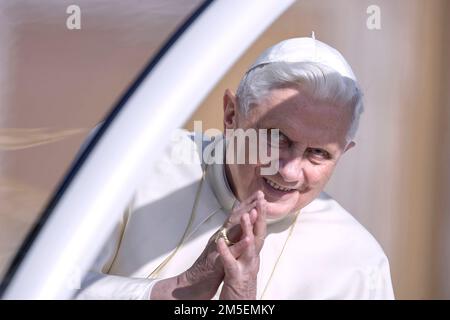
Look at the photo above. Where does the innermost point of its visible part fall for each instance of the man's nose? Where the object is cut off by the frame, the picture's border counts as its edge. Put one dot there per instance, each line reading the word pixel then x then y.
pixel 292 169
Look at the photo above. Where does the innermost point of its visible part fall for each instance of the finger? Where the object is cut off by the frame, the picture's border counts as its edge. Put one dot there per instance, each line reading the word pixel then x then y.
pixel 238 248
pixel 225 254
pixel 260 223
pixel 253 216
pixel 257 196
pixel 236 214
pixel 233 224
pixel 234 233
pixel 252 197
pixel 245 206
pixel 247 229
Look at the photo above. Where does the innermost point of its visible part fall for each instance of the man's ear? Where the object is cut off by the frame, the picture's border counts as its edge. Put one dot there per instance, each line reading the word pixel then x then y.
pixel 350 145
pixel 229 109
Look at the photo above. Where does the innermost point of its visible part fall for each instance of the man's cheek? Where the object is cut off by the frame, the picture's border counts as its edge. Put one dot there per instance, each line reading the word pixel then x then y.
pixel 317 185
pixel 248 174
pixel 321 174
pixel 326 175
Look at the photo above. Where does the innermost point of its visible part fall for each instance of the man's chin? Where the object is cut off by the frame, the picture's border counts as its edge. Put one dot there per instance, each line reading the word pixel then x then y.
pixel 277 211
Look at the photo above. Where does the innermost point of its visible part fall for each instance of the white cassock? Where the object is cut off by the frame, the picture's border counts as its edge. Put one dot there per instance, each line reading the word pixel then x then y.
pixel 328 255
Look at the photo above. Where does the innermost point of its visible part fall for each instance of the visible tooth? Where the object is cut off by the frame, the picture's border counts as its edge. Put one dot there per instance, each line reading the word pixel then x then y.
pixel 276 186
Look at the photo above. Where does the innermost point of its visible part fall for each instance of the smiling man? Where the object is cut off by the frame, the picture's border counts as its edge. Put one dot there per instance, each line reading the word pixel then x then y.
pixel 312 138
pixel 229 230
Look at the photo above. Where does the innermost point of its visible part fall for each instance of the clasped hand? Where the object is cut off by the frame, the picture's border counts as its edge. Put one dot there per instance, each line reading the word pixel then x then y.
pixel 236 265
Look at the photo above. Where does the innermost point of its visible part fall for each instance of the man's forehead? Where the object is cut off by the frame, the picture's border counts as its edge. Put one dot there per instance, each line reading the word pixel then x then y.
pixel 297 100
pixel 288 95
pixel 315 128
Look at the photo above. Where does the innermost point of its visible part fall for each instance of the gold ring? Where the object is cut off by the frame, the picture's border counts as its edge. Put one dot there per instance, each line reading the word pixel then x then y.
pixel 222 233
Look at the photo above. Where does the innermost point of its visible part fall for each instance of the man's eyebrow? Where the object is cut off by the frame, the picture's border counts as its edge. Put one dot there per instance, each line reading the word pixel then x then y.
pixel 328 148
pixel 283 132
pixel 268 124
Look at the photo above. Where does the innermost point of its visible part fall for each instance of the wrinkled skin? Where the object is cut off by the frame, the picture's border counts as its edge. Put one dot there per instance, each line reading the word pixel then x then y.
pixel 312 140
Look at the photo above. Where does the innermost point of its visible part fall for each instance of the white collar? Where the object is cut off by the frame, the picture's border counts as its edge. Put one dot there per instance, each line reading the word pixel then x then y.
pixel 217 178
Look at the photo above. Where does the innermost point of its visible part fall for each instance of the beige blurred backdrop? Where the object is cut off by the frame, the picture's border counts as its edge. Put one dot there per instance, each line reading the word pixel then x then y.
pixel 57 84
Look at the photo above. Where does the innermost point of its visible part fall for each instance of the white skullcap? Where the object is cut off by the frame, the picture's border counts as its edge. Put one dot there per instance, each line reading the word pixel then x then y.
pixel 305 50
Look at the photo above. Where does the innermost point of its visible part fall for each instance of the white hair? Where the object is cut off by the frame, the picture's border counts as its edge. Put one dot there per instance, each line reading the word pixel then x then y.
pixel 322 82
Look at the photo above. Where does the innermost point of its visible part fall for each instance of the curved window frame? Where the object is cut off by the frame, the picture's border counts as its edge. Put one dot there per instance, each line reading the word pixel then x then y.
pixel 81 214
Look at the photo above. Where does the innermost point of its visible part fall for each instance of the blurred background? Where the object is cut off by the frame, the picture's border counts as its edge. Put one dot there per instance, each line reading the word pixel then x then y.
pixel 56 84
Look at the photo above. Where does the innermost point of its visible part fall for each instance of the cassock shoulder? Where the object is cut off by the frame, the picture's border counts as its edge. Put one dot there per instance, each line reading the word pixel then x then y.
pixel 334 230
pixel 335 257
pixel 177 168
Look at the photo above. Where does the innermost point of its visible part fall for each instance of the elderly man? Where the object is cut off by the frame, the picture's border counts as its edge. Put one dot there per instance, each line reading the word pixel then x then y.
pixel 226 230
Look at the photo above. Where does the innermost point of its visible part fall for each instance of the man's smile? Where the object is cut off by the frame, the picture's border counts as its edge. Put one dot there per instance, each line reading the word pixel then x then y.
pixel 275 192
pixel 276 186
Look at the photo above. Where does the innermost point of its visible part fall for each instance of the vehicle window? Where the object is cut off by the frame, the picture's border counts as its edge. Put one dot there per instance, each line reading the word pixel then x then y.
pixel 59 79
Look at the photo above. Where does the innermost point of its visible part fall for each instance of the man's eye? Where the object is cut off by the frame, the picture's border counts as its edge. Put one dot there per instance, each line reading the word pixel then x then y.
pixel 282 138
pixel 319 153
pixel 276 138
